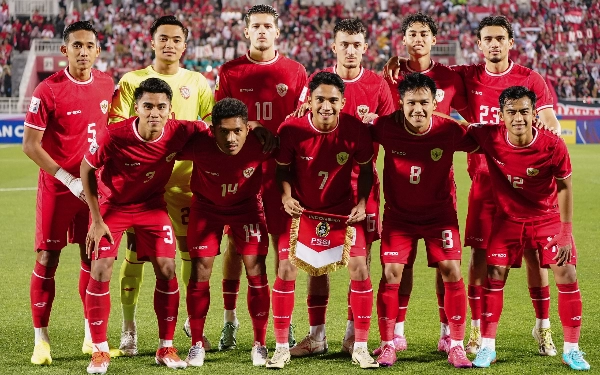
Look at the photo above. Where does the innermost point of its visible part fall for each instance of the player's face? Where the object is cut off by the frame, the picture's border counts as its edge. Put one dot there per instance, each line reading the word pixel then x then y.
pixel 169 43
pixel 418 106
pixel 518 116
pixel 231 135
pixel 81 49
pixel 418 39
pixel 349 49
pixel 153 110
pixel 326 102
pixel 262 31
pixel 495 43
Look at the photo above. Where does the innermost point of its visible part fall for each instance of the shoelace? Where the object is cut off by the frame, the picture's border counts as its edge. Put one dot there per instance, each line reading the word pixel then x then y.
pixel 576 355
pixel 167 352
pixel 100 357
pixel 195 350
pixel 485 352
pixel 262 350
pixel 228 331
pixel 388 351
pixel 459 353
pixel 279 352
pixel 547 338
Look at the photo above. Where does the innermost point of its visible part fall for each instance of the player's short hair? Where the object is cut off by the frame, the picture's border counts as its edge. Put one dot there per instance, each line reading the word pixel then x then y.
pixel 261 9
pixel 515 93
pixel 229 108
pixel 350 26
pixel 419 18
pixel 168 20
pixel 77 26
pixel 153 86
pixel 495 21
pixel 415 81
pixel 326 78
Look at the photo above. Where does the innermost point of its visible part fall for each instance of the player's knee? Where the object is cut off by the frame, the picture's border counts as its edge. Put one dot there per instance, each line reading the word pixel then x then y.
pixel 392 274
pixel 497 272
pixel 48 258
pixel 255 265
pixel 565 275
pixel 102 269
pixel 286 270
pixel 164 268
pixel 358 268
pixel 450 270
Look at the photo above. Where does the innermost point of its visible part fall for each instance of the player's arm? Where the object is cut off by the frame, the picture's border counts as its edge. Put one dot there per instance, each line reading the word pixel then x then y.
pixel 120 109
pixel 563 239
pixel 283 176
pixel 364 185
pixel 548 118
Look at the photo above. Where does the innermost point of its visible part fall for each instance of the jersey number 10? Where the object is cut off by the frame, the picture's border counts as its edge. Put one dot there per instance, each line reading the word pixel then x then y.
pixel 264 111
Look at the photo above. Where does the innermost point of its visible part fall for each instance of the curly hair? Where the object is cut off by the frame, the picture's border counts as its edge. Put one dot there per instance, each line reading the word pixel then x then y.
pixel 419 18
pixel 350 26
pixel 261 9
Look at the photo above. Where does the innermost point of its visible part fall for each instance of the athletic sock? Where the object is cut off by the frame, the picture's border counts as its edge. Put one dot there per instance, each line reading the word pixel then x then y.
pixel 441 310
pixel 387 309
pixel 84 278
pixel 403 300
pixel 317 309
pixel 259 303
pixel 283 307
pixel 570 310
pixel 41 292
pixel 455 305
pixel 361 300
pixel 97 302
pixel 493 302
pixel 350 314
pixel 231 289
pixel 198 302
pixel 186 268
pixel 131 276
pixel 166 306
pixel 475 293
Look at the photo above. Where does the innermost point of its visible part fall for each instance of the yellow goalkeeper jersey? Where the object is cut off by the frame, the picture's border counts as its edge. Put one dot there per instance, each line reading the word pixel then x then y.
pixel 192 100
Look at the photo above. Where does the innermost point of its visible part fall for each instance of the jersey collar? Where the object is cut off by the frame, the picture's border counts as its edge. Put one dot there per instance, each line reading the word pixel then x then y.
pixel 417 134
pixel 510 66
pixel 535 137
pixel 429 69
pixel 138 136
pixel 359 76
pixel 321 131
pixel 79 82
pixel 272 61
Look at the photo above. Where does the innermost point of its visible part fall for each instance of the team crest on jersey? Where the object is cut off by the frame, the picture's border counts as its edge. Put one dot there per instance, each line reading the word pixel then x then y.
pixel 282 89
pixel 94 146
pixel 362 110
pixel 171 156
pixel 532 172
pixel 217 84
pixel 342 158
pixel 439 95
pixel 185 92
pixel 323 229
pixel 34 106
pixel 104 106
pixel 248 172
pixel 436 154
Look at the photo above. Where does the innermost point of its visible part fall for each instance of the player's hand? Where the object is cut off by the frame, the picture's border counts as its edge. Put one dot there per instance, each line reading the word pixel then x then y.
pixel 562 241
pixel 300 111
pixel 369 118
pixel 391 70
pixel 292 207
pixel 357 214
pixel 538 123
pixel 74 184
pixel 265 136
pixel 95 234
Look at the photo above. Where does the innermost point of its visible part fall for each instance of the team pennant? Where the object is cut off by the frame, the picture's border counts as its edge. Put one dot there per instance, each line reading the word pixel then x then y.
pixel 320 243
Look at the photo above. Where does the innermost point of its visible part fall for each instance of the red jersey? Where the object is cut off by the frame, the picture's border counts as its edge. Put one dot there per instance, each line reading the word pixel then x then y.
pixel 70 113
pixel 450 93
pixel 524 177
pixel 134 171
pixel 417 166
pixel 483 92
pixel 271 90
pixel 321 162
pixel 225 181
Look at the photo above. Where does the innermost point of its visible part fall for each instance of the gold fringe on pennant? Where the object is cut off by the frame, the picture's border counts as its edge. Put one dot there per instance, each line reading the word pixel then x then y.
pixel 310 269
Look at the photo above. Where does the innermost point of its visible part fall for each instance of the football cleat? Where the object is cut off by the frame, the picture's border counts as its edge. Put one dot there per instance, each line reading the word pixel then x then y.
pixel 291 336
pixel 387 356
pixel 348 345
pixel 308 346
pixel 444 344
pixel 129 343
pixel 485 357
pixel 457 357
pixel 474 340
pixel 280 358
pixel 259 354
pixel 544 338
pixel 168 357
pixel 361 357
pixel 41 353
pixel 400 345
pixel 574 359
pixel 99 363
pixel 196 355
pixel 228 340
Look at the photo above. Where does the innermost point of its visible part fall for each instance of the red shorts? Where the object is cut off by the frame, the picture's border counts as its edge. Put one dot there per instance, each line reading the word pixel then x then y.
pixel 399 240
pixel 372 224
pixel 510 238
pixel 59 216
pixel 275 214
pixel 205 231
pixel 154 234
pixel 481 211
pixel 358 248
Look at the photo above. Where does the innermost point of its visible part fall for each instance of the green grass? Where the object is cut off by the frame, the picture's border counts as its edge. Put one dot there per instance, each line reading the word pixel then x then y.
pixel 517 351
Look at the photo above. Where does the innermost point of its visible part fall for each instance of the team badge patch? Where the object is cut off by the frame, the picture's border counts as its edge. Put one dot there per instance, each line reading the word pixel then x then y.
pixel 94 146
pixel 323 229
pixel 436 154
pixel 282 89
pixel 248 172
pixel 185 92
pixel 34 106
pixel 217 84
pixel 439 95
pixel 532 172
pixel 362 110
pixel 104 106
pixel 342 158
pixel 171 156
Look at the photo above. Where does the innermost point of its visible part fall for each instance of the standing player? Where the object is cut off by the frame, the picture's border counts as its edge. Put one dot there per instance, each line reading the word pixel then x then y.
pixel 531 172
pixel 137 157
pixel 313 172
pixel 58 130
pixel 419 149
pixel 271 86
pixel 484 83
pixel 226 182
pixel 192 99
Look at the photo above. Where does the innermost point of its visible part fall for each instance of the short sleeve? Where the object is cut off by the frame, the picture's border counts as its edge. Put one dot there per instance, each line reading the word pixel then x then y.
pixel 364 150
pixel 221 86
pixel 393 89
pixel 376 129
pixel 302 85
pixel 187 153
pixel 561 162
pixel 463 141
pixel 542 92
pixel 40 108
pixel 122 102
pixel 285 156
pixel 99 151
pixel 459 100
pixel 386 102
pixel 206 101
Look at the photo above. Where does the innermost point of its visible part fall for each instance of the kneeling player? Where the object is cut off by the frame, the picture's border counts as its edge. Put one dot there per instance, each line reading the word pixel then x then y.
pixel 531 173
pixel 226 182
pixel 419 148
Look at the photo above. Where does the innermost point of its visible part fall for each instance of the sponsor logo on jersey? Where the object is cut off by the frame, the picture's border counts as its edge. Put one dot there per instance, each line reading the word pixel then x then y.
pixel 75 112
pixel 104 106
pixel 532 172
pixel 34 106
pixel 436 154
pixel 217 83
pixel 246 90
pixel 498 161
pixel 171 156
pixel 52 241
pixel 94 146
pixel 439 95
pixel 132 164
pixel 104 248
pixel 248 172
pixel 476 92
pixel 185 92
pixel 282 89
pixel 342 158
pixel 306 157
pixel 362 110
pixel 212 173
pixel 390 253
pixel 323 229
pixel 402 153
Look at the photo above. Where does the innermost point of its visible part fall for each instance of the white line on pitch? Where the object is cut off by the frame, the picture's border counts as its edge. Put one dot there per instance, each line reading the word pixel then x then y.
pixel 10 145
pixel 18 189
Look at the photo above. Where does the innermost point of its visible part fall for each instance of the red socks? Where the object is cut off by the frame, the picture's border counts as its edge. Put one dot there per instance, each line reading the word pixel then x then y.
pixel 97 302
pixel 283 306
pixel 258 305
pixel 493 301
pixel 387 309
pixel 84 278
pixel 41 292
pixel 317 309
pixel 198 302
pixel 350 314
pixel 361 300
pixel 402 307
pixel 475 299
pixel 540 298
pixel 455 306
pixel 441 310
pixel 166 305
pixel 569 310
pixel 230 293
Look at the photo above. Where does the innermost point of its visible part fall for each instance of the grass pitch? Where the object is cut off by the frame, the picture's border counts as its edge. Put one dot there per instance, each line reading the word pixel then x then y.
pixel 517 351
